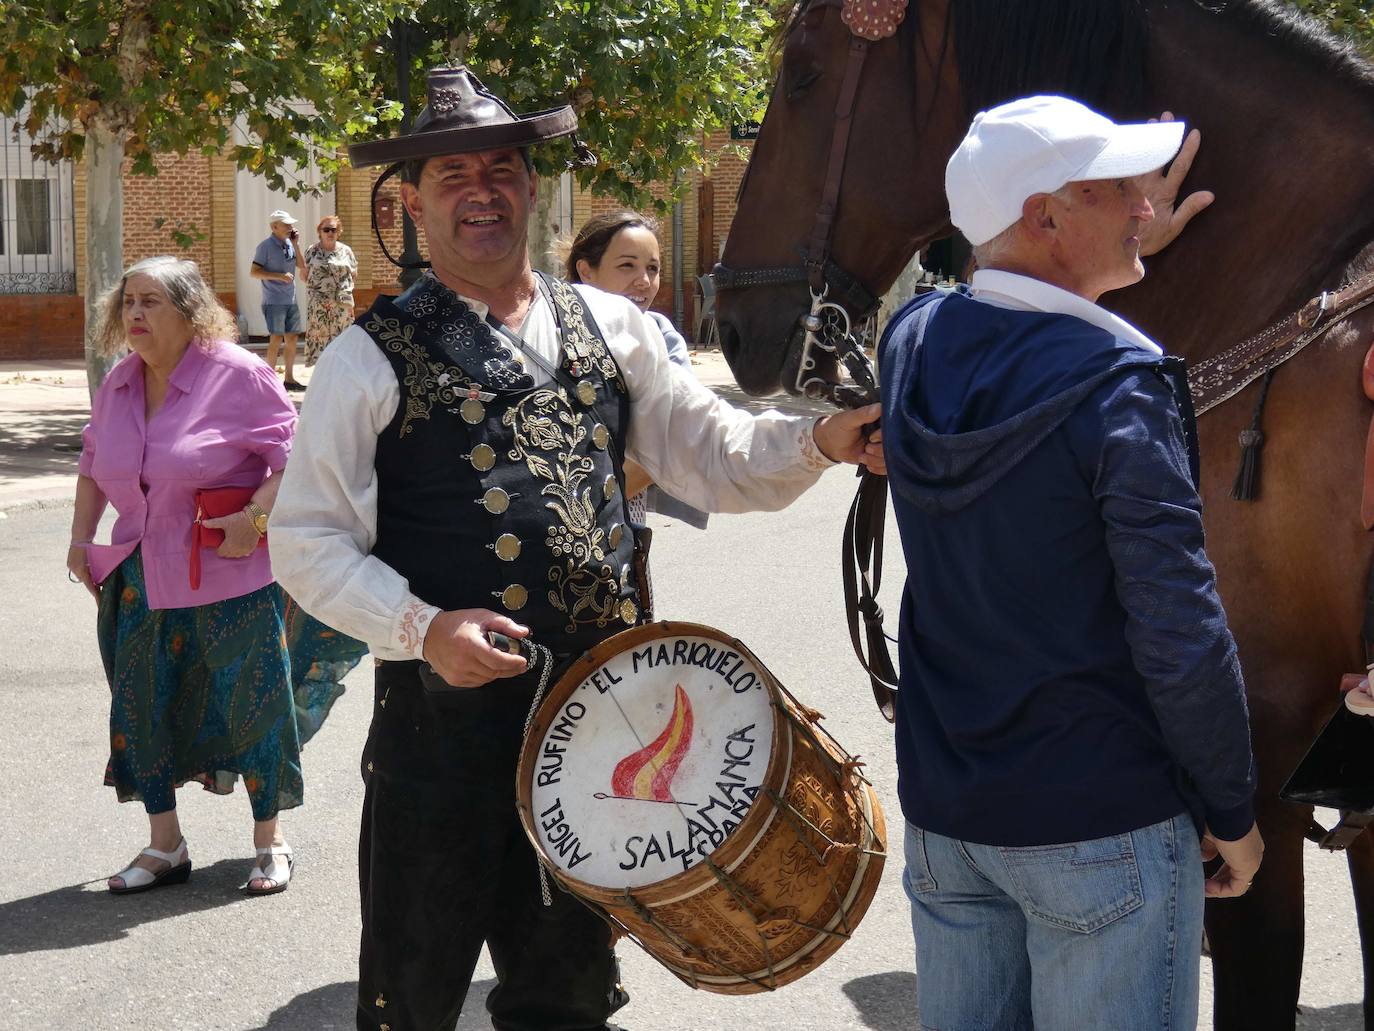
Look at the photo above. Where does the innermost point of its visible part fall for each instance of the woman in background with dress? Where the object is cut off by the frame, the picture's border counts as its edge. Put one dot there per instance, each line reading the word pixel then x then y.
pixel 330 268
pixel 201 677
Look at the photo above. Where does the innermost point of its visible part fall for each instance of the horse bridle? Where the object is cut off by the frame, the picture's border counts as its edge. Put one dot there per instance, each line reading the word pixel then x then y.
pixel 829 326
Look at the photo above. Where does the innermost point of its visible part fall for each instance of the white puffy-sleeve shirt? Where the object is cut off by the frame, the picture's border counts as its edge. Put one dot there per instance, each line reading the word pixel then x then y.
pixel 324 524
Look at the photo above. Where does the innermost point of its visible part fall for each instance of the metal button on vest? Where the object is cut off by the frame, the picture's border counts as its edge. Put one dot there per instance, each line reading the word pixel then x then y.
pixel 508 547
pixel 625 573
pixel 496 501
pixel 609 487
pixel 616 534
pixel 482 457
pixel 514 597
pixel 472 411
pixel 586 392
pixel 629 612
pixel 601 436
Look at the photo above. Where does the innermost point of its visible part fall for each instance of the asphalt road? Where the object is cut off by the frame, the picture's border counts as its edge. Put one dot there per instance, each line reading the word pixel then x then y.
pixel 203 956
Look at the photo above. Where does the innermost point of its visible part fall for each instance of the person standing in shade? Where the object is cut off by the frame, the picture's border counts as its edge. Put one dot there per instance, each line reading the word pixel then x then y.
pixel 1072 733
pixel 460 468
pixel 276 263
pixel 330 268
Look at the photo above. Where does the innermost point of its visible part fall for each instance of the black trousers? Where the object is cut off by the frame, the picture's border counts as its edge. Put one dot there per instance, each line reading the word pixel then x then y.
pixel 445 866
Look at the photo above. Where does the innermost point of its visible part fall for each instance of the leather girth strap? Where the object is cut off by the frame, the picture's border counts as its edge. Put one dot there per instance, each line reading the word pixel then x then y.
pixel 1222 376
pixel 1341 836
pixel 1351 824
pixel 861 560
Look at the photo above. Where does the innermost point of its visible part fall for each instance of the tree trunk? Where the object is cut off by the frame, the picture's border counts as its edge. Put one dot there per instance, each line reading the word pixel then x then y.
pixel 903 290
pixel 104 235
pixel 543 228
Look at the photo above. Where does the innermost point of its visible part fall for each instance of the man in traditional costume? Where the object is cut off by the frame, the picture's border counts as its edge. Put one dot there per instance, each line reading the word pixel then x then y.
pixel 459 469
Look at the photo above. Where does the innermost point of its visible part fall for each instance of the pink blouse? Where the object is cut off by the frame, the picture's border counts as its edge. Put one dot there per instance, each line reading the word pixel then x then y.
pixel 225 422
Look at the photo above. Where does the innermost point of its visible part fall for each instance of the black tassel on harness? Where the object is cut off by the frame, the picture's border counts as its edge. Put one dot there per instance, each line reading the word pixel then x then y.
pixel 1246 487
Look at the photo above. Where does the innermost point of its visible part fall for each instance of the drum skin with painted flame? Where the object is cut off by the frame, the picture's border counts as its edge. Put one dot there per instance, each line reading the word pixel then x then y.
pixel 674 785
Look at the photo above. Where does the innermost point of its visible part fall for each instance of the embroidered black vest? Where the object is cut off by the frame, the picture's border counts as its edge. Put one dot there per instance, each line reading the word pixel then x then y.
pixel 494 493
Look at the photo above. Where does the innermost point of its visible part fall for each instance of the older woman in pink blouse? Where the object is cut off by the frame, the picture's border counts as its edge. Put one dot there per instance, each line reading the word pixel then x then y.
pixel 201 676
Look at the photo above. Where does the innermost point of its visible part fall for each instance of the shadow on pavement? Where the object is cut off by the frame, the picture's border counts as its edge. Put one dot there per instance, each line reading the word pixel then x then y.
pixel 331 1008
pixel 1347 1017
pixel 77 915
pixel 886 1002
pixel 45 441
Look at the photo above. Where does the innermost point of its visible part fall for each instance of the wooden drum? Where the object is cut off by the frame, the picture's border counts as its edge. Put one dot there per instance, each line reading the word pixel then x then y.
pixel 671 783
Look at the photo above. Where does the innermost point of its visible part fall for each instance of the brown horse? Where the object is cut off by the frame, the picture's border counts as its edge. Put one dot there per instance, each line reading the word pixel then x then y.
pixel 1287 116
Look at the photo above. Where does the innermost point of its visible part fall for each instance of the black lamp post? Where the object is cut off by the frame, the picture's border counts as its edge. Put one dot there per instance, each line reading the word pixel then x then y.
pixel 410 252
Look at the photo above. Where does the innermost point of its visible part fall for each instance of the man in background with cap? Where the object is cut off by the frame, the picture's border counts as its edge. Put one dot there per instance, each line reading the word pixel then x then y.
pixel 459 469
pixel 276 262
pixel 1071 716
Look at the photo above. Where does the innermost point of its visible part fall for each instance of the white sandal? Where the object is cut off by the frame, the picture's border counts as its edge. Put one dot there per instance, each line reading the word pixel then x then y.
pixel 272 871
pixel 137 878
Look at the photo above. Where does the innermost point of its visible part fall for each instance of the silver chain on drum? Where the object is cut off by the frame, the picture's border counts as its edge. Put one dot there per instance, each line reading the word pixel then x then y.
pixel 545 659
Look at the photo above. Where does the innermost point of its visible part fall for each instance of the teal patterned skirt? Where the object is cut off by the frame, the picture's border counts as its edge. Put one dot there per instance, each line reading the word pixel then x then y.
pixel 215 692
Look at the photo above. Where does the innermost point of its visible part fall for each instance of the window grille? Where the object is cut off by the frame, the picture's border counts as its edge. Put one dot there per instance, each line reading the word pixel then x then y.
pixel 37 221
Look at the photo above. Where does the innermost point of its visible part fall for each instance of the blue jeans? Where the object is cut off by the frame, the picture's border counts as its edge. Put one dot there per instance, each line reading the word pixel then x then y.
pixel 1087 935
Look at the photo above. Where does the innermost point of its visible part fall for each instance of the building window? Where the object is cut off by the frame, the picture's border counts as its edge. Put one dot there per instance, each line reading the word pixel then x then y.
pixel 32 216
pixel 37 227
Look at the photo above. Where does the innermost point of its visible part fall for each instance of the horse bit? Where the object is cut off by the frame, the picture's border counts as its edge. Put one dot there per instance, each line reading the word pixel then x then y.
pixel 828 326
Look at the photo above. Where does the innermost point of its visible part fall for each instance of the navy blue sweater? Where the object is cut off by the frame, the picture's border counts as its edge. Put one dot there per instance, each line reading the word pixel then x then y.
pixel 1066 668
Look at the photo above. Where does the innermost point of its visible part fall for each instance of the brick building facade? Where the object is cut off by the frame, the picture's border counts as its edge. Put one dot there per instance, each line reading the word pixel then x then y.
pixel 200 194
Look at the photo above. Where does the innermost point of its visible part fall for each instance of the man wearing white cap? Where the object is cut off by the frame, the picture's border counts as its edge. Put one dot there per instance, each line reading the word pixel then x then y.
pixel 1071 719
pixel 276 262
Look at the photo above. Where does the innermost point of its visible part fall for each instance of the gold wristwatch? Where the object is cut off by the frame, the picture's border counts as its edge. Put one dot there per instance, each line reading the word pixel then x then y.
pixel 258 516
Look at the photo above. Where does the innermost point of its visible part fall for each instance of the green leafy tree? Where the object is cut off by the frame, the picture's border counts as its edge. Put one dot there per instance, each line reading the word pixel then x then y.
pixel 1351 18
pixel 648 80
pixel 144 77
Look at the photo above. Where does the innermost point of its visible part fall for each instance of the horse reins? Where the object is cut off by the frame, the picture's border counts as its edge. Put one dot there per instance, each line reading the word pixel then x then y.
pixel 869 22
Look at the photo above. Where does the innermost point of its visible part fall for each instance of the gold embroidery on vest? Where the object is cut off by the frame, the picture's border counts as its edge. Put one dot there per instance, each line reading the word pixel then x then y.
pixel 426 381
pixel 579 338
pixel 548 432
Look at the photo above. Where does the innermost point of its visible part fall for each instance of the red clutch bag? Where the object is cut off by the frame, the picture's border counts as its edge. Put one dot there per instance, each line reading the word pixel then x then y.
pixel 212 504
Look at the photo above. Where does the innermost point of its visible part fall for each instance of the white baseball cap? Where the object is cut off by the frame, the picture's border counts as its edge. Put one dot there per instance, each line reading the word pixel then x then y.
pixel 1036 145
pixel 281 216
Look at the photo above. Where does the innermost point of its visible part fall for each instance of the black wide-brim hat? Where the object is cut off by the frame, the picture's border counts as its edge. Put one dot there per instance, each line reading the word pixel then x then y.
pixel 463 116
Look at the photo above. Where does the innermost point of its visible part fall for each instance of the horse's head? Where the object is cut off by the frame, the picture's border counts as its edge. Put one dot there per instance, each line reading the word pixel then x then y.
pixel 912 96
pixel 891 195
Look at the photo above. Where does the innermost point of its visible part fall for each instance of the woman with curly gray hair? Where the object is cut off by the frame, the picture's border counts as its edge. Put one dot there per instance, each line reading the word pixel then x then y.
pixel 199 644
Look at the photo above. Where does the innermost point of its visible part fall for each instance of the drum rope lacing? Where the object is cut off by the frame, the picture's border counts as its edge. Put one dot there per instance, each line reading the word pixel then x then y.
pixel 544 657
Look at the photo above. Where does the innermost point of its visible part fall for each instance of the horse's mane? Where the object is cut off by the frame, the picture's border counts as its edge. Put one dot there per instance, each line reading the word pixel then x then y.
pixel 1095 50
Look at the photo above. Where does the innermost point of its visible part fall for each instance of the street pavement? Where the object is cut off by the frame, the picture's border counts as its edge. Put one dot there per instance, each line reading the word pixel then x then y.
pixel 203 956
